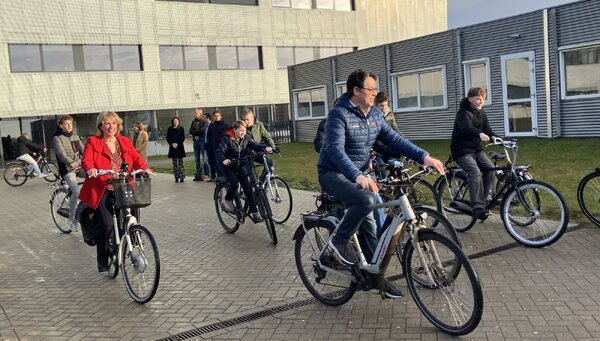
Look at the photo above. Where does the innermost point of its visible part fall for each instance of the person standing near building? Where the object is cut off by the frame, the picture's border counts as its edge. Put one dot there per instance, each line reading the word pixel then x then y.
pixel 257 129
pixel 26 147
pixel 197 131
pixel 139 136
pixel 216 133
pixel 175 138
pixel 69 150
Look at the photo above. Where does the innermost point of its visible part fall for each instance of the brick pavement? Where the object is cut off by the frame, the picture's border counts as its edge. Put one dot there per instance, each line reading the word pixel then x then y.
pixel 50 289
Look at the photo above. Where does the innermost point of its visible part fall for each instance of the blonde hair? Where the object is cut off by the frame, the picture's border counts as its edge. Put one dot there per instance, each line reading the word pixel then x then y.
pixel 108 114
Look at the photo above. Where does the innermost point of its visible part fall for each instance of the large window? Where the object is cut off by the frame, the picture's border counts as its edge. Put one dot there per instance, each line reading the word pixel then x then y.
pixel 69 58
pixel 310 103
pixel 287 56
pixel 340 5
pixel 210 57
pixel 580 72
pixel 222 2
pixel 477 74
pixel 419 90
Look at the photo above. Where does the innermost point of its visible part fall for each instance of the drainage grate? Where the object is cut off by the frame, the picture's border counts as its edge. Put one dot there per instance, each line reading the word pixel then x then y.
pixel 239 320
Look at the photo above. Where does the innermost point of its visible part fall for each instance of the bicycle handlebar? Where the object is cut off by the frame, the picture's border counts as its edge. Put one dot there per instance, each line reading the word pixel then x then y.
pixel 496 141
pixel 252 156
pixel 132 173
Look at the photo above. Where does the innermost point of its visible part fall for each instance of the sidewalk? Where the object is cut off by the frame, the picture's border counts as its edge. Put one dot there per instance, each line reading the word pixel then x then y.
pixel 216 285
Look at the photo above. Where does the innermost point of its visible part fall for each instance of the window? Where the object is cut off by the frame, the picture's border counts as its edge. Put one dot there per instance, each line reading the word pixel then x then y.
pixel 196 57
pixel 249 58
pixel 304 4
pixel 226 57
pixel 222 2
pixel 325 52
pixel 25 57
pixel 171 58
pixel 280 3
pixel 326 4
pixel 126 57
pixel 340 89
pixel 210 57
pixel 477 74
pixel 285 57
pixel 340 5
pixel 96 57
pixel 423 89
pixel 58 58
pixel 580 72
pixel 303 54
pixel 310 103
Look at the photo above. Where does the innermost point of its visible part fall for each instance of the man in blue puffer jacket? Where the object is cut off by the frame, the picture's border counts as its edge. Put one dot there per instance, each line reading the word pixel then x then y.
pixel 352 128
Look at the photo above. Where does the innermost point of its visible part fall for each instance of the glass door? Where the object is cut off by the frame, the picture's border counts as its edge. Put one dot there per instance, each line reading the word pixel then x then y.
pixel 518 89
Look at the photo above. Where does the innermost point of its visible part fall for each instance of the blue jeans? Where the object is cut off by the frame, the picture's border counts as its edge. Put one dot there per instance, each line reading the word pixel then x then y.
pixel 358 202
pixel 479 181
pixel 201 159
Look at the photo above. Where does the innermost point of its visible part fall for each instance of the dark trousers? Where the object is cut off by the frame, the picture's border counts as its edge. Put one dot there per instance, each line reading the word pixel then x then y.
pixel 212 161
pixel 479 181
pixel 104 214
pixel 236 176
pixel 201 159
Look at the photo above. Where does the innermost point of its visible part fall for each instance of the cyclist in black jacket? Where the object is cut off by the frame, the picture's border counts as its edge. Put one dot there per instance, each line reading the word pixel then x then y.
pixel 24 148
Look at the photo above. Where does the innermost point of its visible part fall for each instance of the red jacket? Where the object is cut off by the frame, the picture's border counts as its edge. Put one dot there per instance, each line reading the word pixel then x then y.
pixel 96 155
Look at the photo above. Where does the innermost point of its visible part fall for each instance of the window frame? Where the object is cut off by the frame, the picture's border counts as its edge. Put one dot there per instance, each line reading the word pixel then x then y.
pixel 563 71
pixel 488 80
pixel 418 72
pixel 295 102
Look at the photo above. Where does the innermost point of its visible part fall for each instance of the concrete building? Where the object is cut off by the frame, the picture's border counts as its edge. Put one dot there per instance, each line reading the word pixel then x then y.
pixel 151 60
pixel 541 70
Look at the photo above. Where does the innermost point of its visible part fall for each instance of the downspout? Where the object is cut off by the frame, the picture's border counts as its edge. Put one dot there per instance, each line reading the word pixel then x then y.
pixel 388 71
pixel 556 73
pixel 547 74
pixel 333 81
pixel 291 115
pixel 460 84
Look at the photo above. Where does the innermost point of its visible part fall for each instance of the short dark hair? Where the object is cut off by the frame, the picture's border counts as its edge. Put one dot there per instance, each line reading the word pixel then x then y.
pixel 476 91
pixel 381 97
pixel 173 120
pixel 357 79
pixel 208 115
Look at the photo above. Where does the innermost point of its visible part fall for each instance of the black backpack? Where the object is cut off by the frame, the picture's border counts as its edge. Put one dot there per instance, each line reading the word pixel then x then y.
pixel 320 137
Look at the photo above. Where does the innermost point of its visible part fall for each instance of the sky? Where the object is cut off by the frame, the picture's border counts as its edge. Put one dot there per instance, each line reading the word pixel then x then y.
pixel 468 12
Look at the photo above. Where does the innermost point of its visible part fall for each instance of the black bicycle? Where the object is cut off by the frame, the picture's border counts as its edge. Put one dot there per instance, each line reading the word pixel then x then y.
pixel 588 196
pixel 18 172
pixel 231 221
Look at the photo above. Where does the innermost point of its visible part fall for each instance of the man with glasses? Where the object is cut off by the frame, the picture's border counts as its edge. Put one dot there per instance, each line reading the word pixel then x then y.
pixel 352 127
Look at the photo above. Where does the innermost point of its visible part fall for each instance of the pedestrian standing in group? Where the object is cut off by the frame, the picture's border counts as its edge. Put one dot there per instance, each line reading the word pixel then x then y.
pixel 69 150
pixel 196 130
pixel 139 136
pixel 216 133
pixel 175 139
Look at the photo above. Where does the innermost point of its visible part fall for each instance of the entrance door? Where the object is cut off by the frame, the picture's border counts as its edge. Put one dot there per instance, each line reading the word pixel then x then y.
pixel 518 88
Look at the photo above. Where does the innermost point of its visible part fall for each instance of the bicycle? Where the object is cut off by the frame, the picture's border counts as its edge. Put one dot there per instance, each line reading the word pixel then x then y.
pixel 59 203
pixel 533 212
pixel 278 192
pixel 588 196
pixel 131 246
pixel 231 221
pixel 18 172
pixel 440 277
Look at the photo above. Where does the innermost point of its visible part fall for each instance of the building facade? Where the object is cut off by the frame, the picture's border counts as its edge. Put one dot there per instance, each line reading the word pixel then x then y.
pixel 151 60
pixel 541 70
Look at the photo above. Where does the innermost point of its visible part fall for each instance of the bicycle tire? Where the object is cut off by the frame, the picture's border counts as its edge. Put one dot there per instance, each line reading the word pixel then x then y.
pixel 51 169
pixel 327 288
pixel 15 175
pixel 453 302
pixel 461 222
pixel 229 221
pixel 588 196
pixel 265 212
pixel 141 266
pixel 423 193
pixel 531 221
pixel 113 258
pixel 280 205
pixel 59 201
pixel 439 223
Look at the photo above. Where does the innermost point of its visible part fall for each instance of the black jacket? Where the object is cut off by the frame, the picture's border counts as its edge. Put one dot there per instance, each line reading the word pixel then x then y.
pixel 176 135
pixel 230 149
pixel 468 124
pixel 197 129
pixel 216 131
pixel 25 146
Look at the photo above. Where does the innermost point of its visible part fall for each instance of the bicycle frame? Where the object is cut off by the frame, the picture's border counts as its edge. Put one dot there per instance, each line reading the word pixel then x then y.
pixel 130 220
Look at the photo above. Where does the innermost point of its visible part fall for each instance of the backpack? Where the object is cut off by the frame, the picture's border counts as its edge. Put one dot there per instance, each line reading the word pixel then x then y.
pixel 319 140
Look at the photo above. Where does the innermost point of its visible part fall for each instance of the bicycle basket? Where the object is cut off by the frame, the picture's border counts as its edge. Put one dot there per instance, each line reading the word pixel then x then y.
pixel 133 193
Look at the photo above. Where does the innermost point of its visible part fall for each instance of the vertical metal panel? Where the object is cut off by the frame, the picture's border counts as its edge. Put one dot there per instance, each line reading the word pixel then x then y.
pixel 370 60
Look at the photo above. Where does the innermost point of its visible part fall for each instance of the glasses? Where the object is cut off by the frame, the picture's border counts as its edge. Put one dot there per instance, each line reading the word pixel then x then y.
pixel 370 89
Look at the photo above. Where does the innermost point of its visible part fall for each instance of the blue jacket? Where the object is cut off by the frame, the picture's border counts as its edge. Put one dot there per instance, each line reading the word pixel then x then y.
pixel 350 136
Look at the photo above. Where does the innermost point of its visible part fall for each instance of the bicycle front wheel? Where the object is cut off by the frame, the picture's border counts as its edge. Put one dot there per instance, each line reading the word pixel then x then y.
pixel 422 193
pixel 265 212
pixel 141 265
pixel 451 300
pixel 229 221
pixel 456 193
pixel 51 170
pixel 535 214
pixel 15 175
pixel 280 197
pixel 59 208
pixel 588 197
pixel 328 280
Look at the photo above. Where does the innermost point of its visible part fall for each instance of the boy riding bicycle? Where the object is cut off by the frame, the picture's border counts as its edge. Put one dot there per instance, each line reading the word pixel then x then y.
pixel 236 145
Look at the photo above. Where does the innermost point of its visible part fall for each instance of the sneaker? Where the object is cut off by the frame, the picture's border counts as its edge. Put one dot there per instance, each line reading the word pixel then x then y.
pixel 228 206
pixel 343 251
pixel 73 225
pixel 256 217
pixel 206 178
pixel 41 175
pixel 390 290
pixel 196 179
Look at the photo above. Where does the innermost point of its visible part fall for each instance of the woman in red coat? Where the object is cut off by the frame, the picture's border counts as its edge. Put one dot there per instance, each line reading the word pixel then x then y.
pixel 107 150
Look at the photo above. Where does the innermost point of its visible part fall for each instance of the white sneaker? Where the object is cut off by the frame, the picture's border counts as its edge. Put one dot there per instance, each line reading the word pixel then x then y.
pixel 73 225
pixel 41 175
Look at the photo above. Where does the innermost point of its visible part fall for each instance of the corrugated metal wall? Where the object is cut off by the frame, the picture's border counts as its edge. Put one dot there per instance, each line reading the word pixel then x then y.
pixel 567 25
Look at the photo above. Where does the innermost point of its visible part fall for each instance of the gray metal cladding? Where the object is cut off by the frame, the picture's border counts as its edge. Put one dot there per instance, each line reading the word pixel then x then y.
pixel 424 52
pixel 370 60
pixel 580 117
pixel 306 130
pixel 312 74
pixel 578 22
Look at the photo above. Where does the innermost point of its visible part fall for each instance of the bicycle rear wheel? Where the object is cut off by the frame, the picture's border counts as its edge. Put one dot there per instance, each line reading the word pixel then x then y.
pixel 59 208
pixel 141 265
pixel 535 214
pixel 51 170
pixel 451 300
pixel 15 175
pixel 332 287
pixel 280 197
pixel 458 193
pixel 588 196
pixel 229 221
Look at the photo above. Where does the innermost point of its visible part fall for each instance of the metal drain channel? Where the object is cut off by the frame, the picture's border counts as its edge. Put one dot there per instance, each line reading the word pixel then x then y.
pixel 239 320
pixel 302 303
